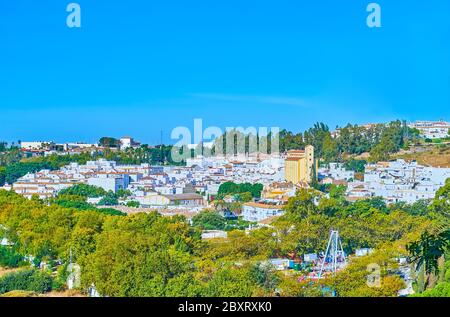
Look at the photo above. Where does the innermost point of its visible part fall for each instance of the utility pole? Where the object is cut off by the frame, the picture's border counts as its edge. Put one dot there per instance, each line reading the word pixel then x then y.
pixel 161 148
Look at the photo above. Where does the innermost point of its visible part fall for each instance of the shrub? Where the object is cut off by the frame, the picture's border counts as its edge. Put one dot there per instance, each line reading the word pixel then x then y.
pixel 109 200
pixel 10 258
pixel 84 190
pixel 209 220
pixel 26 280
pixel 133 204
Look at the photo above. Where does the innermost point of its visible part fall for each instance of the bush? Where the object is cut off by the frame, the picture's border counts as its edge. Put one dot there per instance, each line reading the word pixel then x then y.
pixel 83 190
pixel 26 280
pixel 10 258
pixel 109 200
pixel 111 212
pixel 69 201
pixel 133 204
pixel 209 220
pixel 79 203
pixel 230 188
pixel 355 165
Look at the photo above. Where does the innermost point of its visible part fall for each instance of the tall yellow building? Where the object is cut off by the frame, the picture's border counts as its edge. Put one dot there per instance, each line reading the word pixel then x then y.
pixel 300 165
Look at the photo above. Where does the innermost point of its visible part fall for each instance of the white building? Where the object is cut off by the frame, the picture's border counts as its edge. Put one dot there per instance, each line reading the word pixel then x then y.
pixel 399 181
pixel 47 183
pixel 256 212
pixel 78 145
pixel 181 200
pixel 128 142
pixel 36 145
pixel 336 171
pixel 432 129
pixel 144 181
pixel 214 234
pixel 110 182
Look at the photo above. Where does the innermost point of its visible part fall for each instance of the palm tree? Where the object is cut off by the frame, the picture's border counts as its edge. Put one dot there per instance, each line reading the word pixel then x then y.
pixel 427 251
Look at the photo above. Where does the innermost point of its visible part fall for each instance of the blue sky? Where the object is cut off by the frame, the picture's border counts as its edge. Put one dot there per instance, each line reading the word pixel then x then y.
pixel 137 67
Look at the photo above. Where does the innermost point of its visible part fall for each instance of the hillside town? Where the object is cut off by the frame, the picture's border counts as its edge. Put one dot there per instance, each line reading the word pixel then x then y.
pixel 192 188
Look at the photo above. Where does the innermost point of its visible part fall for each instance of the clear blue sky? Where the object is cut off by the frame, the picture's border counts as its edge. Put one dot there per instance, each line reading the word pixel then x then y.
pixel 139 66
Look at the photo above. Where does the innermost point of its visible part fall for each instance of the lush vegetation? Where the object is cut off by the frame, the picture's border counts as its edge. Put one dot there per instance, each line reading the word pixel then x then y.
pixel 19 166
pixel 83 190
pixel 14 164
pixel 209 220
pixel 151 255
pixel 109 142
pixel 133 204
pixel 380 140
pixel 436 284
pixel 26 280
pixel 110 199
pixel 76 197
pixel 246 190
pixel 355 165
pixel 9 257
pixel 158 155
pixel 80 203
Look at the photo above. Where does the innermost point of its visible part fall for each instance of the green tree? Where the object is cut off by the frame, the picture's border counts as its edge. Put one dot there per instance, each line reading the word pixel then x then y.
pixel 441 202
pixel 230 282
pixel 109 142
pixel 26 280
pixel 330 149
pixel 230 188
pixel 302 204
pixel 355 165
pixel 83 190
pixel 428 249
pixel 133 204
pixel 2 175
pixel 110 199
pixel 141 255
pixel 209 220
pixel 264 274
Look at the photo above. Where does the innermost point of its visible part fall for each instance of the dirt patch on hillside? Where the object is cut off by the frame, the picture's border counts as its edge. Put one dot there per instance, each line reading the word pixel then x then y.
pixel 435 157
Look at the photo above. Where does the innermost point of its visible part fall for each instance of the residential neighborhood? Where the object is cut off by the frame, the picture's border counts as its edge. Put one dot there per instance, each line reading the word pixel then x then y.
pixel 194 186
pixel 224 156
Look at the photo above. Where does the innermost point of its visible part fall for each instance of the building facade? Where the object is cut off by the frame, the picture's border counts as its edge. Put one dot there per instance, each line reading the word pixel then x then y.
pixel 432 129
pixel 300 165
pixel 256 212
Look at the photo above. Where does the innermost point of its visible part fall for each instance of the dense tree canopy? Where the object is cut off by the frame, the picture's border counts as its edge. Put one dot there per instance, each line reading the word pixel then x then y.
pixel 230 188
pixel 209 220
pixel 153 255
pixel 26 280
pixel 381 140
pixel 109 142
pixel 83 190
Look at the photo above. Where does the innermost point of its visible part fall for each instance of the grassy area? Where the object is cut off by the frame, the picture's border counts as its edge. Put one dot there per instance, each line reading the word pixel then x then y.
pixel 20 294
